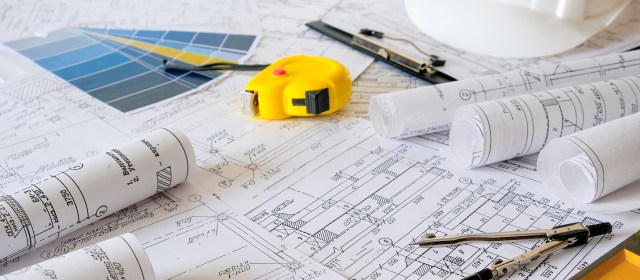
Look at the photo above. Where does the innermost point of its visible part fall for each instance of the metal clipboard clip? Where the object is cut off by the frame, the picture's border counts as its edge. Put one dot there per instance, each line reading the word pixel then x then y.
pixel 415 65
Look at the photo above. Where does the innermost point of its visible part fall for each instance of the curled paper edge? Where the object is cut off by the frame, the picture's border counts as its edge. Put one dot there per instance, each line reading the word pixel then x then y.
pixel 623 199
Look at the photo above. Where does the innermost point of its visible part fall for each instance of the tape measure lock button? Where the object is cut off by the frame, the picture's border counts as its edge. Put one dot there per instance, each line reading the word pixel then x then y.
pixel 297 86
pixel 317 101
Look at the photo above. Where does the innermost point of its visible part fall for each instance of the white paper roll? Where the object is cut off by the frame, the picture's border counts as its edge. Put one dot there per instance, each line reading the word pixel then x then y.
pixel 596 169
pixel 511 127
pixel 120 257
pixel 429 109
pixel 578 175
pixel 93 189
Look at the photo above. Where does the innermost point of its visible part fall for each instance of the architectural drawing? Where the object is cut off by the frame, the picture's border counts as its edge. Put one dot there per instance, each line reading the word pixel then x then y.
pixel 328 187
pixel 596 168
pixel 359 213
pixel 430 109
pixel 184 222
pixel 246 161
pixel 45 210
pixel 510 127
pixel 46 16
pixel 306 162
pixel 212 241
pixel 121 257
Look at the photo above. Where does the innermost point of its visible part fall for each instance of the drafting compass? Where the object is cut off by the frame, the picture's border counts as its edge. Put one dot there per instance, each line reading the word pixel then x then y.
pixel 559 237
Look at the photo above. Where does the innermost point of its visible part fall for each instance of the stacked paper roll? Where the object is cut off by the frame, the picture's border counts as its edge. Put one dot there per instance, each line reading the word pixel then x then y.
pixel 422 110
pixel 506 128
pixel 121 257
pixel 86 192
pixel 596 169
pixel 588 135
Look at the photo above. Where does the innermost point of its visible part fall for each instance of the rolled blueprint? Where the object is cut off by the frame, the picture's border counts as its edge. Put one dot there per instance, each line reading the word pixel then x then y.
pixel 120 258
pixel 599 165
pixel 84 193
pixel 429 109
pixel 511 127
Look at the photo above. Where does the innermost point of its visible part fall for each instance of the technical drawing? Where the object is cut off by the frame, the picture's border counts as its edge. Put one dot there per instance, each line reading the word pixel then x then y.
pixel 237 249
pixel 594 169
pixel 511 127
pixel 188 233
pixel 341 194
pixel 43 211
pixel 121 257
pixel 164 179
pixel 293 167
pixel 359 213
pixel 430 109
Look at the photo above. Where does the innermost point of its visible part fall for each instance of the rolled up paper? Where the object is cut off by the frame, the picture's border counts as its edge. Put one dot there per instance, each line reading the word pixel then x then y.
pixel 121 257
pixel 596 169
pixel 511 127
pixel 411 112
pixel 39 213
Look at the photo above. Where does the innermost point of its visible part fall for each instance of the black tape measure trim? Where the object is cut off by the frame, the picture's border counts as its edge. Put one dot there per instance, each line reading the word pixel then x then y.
pixel 217 66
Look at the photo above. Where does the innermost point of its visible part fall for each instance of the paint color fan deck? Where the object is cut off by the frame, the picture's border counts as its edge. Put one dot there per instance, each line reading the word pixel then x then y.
pixel 124 68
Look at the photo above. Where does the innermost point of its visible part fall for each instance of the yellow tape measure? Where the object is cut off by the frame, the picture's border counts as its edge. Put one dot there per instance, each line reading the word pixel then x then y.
pixel 297 86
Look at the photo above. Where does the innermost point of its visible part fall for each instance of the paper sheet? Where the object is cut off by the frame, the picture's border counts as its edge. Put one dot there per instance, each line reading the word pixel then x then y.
pixel 308 178
pixel 43 211
pixel 37 17
pixel 359 213
pixel 120 258
pixel 506 128
pixel 303 180
pixel 429 109
pixel 596 169
pixel 212 241
pixel 332 189
pixel 177 227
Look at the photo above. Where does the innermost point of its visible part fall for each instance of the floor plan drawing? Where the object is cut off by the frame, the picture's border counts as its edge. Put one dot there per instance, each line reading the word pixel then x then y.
pixel 184 222
pixel 188 233
pixel 47 209
pixel 522 125
pixel 295 199
pixel 121 257
pixel 359 213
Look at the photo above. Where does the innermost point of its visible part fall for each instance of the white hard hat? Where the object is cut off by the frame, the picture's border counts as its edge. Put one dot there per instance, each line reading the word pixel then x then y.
pixel 513 28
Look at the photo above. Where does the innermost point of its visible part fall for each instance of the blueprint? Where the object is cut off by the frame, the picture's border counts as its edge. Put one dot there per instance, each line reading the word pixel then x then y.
pixel 310 198
pixel 246 162
pixel 421 110
pixel 43 211
pixel 360 211
pixel 595 168
pixel 173 226
pixel 510 127
pixel 331 188
pixel 38 17
pixel 121 257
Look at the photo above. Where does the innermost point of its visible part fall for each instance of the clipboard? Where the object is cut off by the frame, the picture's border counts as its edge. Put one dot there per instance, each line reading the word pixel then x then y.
pixel 402 63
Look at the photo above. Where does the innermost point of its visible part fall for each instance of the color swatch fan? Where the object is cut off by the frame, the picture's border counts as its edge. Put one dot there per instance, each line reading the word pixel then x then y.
pixel 124 68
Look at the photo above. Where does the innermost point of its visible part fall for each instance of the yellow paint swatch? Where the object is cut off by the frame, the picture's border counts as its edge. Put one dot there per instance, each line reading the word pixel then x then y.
pixel 188 57
pixel 623 265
